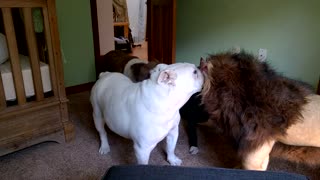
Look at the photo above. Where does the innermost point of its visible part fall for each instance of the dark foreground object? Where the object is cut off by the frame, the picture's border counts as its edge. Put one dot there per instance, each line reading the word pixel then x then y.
pixel 152 172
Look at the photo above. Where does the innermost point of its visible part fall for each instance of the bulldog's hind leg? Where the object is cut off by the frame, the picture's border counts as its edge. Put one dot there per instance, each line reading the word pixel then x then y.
pixel 171 139
pixel 99 123
pixel 259 158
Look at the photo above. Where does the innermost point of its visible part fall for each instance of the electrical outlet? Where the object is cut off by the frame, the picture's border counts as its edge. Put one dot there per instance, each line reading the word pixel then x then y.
pixel 262 54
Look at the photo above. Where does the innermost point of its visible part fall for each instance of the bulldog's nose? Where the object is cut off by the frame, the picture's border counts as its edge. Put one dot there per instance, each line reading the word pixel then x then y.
pixel 198 74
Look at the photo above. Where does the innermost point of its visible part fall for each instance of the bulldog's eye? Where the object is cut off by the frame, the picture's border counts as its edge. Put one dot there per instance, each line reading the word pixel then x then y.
pixel 195 72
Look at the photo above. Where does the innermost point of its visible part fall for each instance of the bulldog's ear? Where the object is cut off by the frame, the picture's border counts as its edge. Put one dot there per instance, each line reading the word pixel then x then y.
pixel 167 77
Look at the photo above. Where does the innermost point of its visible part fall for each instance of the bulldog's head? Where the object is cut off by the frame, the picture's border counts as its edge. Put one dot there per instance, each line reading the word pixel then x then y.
pixel 183 78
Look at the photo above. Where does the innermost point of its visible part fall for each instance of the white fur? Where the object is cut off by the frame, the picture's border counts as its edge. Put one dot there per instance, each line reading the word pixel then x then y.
pixel 193 150
pixel 147 111
pixel 127 68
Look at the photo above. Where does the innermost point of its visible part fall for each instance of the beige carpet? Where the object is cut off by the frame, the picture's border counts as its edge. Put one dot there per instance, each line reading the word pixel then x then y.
pixel 80 159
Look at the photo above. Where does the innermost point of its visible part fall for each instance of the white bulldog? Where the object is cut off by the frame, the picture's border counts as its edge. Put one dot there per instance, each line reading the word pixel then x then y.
pixel 147 111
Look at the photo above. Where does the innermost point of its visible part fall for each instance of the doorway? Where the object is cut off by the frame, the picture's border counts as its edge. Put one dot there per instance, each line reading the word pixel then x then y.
pixel 141 50
pixel 160 31
pixel 137 17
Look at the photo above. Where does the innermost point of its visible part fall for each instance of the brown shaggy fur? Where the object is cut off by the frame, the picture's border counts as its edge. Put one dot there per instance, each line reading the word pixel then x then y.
pixel 250 101
pixel 296 154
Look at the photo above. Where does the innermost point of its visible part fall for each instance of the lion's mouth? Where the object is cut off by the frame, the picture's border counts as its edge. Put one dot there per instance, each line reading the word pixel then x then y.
pixel 204 68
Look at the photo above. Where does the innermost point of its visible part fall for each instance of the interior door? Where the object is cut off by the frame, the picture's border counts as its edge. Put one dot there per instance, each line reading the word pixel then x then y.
pixel 161 30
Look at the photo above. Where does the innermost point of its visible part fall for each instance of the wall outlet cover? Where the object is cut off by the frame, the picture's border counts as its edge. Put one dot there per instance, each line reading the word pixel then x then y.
pixel 262 54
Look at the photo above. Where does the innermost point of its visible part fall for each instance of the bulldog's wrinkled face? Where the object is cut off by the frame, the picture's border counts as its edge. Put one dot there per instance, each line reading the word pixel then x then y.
pixel 181 77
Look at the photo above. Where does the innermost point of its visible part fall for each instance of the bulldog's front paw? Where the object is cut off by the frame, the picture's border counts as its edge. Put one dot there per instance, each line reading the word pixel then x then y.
pixel 104 149
pixel 193 150
pixel 174 161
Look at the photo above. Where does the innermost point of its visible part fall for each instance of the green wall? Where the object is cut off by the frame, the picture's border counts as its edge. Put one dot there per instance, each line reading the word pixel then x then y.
pixel 288 29
pixel 74 21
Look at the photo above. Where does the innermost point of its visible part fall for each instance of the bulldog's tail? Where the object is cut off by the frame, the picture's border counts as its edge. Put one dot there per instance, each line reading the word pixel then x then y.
pixel 103 74
pixel 297 154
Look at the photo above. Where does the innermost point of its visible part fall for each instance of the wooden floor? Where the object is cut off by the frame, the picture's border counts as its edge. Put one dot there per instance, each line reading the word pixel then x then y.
pixel 141 51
